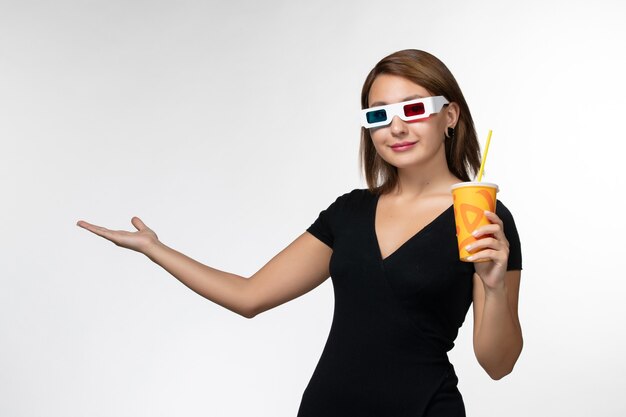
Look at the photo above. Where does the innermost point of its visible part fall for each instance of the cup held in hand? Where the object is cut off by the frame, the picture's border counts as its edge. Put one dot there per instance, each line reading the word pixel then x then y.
pixel 471 199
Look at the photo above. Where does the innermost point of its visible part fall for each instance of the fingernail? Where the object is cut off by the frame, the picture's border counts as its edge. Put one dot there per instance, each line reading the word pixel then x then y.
pixel 475 233
pixel 470 258
pixel 468 248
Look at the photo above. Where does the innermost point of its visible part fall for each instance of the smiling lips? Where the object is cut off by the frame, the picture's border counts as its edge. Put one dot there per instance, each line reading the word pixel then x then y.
pixel 402 144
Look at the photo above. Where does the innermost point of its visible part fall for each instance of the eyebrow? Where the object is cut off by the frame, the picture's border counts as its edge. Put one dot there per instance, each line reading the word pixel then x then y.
pixel 382 103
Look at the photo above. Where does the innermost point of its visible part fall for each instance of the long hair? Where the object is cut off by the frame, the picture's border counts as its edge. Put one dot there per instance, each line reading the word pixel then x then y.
pixel 424 69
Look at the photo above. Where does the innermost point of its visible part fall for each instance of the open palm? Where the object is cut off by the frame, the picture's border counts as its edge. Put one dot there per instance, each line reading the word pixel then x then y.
pixel 138 241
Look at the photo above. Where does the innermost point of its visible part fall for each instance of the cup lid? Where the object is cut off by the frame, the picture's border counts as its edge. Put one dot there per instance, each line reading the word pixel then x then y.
pixel 475 184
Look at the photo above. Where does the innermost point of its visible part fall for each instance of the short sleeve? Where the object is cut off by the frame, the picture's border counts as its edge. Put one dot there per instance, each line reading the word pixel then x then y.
pixel 510 231
pixel 323 227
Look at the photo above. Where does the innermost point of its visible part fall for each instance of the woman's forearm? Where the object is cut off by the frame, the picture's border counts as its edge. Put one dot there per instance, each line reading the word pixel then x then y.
pixel 499 340
pixel 223 288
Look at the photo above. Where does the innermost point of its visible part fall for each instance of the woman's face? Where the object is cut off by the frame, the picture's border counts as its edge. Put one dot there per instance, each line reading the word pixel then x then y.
pixel 425 135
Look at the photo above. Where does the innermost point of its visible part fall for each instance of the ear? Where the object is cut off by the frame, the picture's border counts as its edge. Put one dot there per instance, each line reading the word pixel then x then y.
pixel 452 114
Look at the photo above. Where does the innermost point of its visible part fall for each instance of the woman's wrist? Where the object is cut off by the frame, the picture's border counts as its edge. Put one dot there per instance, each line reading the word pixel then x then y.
pixel 152 249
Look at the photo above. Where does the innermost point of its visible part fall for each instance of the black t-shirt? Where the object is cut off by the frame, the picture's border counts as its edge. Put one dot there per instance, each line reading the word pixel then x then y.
pixel 396 318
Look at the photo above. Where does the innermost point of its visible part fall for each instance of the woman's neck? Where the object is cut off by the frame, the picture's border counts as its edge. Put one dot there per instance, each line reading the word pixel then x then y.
pixel 417 182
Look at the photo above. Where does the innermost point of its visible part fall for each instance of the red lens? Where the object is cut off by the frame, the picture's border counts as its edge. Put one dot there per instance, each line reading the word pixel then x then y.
pixel 414 109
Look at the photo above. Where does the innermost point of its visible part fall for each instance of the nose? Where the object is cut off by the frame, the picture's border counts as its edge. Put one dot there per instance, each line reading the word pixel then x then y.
pixel 398 126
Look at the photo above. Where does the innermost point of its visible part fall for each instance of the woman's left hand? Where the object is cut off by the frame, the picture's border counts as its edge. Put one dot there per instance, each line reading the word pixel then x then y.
pixel 495 248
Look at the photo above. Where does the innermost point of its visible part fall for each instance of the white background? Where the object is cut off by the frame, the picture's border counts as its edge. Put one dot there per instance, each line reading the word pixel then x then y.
pixel 227 127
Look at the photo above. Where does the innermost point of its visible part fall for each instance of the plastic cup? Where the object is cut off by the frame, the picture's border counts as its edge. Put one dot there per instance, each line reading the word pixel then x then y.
pixel 471 199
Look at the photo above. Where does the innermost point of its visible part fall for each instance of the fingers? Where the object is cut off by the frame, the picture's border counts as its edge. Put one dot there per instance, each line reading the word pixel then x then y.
pixel 489 248
pixel 496 227
pixel 484 243
pixel 139 225
pixel 490 239
pixel 493 218
pixel 136 221
pixel 100 231
pixel 484 231
pixel 498 256
pixel 88 226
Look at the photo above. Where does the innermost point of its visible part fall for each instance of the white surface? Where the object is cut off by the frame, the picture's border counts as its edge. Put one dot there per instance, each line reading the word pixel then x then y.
pixel 227 127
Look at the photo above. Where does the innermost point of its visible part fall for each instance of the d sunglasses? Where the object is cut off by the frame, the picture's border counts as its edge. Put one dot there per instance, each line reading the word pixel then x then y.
pixel 416 109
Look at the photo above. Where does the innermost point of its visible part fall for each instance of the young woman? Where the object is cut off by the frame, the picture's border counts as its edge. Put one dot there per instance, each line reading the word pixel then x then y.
pixel 401 292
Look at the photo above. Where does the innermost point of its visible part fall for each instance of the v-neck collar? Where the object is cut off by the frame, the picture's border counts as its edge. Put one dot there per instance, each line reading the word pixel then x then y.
pixel 405 243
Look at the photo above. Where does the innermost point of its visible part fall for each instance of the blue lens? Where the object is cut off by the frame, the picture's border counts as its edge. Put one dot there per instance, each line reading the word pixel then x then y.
pixel 376 116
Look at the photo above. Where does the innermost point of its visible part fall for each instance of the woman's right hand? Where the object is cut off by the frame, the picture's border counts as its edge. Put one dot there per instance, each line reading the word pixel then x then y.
pixel 140 241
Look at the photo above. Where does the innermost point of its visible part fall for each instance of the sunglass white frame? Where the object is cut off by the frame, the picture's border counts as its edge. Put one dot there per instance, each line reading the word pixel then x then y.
pixel 432 104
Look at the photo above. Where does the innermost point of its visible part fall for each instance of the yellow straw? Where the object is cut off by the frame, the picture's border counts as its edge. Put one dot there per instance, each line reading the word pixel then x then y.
pixel 482 164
